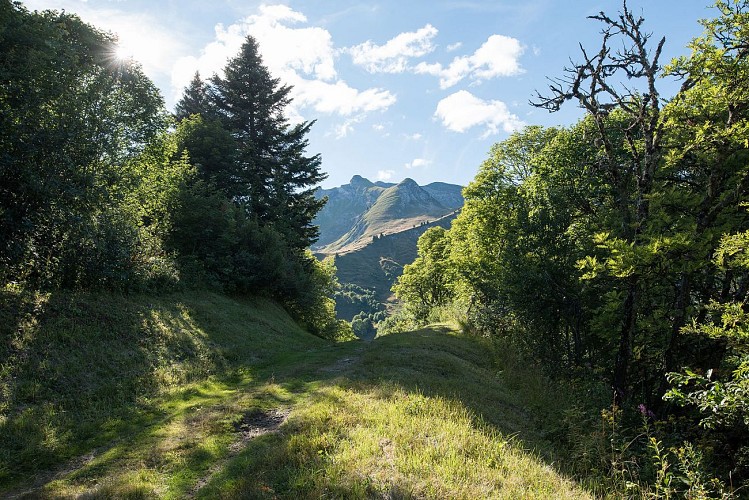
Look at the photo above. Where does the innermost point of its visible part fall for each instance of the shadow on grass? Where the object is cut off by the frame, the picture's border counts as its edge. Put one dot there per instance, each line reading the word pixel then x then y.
pixel 421 414
pixel 71 370
pixel 151 389
pixel 81 373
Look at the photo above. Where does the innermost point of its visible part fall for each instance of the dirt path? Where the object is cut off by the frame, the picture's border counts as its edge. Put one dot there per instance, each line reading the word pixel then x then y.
pixel 259 423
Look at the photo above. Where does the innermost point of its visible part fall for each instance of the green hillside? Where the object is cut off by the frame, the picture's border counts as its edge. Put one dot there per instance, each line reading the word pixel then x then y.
pixel 378 264
pixel 199 395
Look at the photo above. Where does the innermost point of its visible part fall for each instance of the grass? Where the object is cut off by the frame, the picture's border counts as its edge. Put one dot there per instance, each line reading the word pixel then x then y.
pixel 106 396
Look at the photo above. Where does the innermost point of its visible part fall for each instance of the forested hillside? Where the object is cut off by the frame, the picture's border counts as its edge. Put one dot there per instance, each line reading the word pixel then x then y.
pixel 615 250
pixel 104 189
pixel 367 274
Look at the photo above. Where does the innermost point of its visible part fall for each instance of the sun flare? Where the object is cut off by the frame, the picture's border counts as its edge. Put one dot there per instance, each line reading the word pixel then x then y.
pixel 123 53
pixel 136 48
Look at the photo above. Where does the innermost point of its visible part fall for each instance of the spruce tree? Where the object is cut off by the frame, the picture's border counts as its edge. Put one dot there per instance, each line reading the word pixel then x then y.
pixel 295 177
pixel 277 178
pixel 194 100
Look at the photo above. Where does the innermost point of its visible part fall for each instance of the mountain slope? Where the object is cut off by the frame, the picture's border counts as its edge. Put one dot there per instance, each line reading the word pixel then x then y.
pixel 198 395
pixel 361 210
pixel 449 195
pixel 376 265
pixel 345 206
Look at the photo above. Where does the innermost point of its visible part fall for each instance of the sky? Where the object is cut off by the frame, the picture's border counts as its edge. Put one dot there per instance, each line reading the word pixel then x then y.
pixel 398 88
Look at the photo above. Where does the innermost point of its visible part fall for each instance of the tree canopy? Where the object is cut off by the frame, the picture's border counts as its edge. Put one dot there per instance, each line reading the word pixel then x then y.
pixel 615 247
pixel 103 189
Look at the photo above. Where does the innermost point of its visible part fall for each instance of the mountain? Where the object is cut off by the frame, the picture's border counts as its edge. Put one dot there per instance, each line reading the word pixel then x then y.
pixel 346 204
pixel 375 266
pixel 358 212
pixel 446 194
pixel 372 229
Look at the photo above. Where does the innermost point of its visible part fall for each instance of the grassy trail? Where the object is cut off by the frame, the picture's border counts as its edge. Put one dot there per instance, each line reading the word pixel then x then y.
pixel 428 414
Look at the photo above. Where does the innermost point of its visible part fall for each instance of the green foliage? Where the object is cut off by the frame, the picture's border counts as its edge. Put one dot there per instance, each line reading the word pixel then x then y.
pixel 75 128
pixel 247 220
pixel 363 326
pixel 194 101
pixel 100 191
pixel 268 171
pixel 212 150
pixel 592 247
pixel 310 292
pixel 400 321
pixel 425 283
pixel 352 300
pixel 720 394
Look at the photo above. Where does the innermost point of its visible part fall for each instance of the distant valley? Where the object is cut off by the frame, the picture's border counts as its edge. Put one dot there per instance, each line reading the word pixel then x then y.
pixel 372 228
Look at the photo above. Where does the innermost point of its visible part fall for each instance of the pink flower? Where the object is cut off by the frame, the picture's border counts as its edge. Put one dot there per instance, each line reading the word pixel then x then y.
pixel 645 411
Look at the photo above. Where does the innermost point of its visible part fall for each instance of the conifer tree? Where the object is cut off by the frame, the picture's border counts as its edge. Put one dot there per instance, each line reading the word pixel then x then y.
pixel 275 175
pixel 194 100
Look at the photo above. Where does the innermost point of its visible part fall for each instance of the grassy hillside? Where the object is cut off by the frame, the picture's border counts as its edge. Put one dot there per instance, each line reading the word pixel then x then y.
pixel 198 395
pixel 79 371
pixel 344 207
pixel 378 264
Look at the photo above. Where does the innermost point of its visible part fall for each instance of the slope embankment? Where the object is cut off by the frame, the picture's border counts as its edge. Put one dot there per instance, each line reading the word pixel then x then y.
pixel 199 395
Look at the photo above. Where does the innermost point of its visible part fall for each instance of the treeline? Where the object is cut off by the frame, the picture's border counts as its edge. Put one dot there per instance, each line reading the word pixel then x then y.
pixel 102 188
pixel 617 250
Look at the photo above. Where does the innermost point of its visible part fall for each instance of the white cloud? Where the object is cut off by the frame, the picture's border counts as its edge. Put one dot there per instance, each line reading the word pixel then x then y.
pixel 413 137
pixel 338 97
pixel 303 57
pixel 344 129
pixel 418 162
pixel 212 59
pixel 385 175
pixel 498 56
pixel 462 110
pixel 393 56
pixel 382 129
pixel 454 46
pixel 305 50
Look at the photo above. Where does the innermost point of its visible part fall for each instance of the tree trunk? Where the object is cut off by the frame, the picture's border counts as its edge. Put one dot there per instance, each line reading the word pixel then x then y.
pixel 624 354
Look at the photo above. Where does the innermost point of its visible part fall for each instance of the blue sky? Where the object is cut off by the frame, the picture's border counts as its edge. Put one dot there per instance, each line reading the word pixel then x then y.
pixel 399 88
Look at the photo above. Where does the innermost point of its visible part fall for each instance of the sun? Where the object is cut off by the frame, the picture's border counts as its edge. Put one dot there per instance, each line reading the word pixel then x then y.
pixel 123 53
pixel 131 47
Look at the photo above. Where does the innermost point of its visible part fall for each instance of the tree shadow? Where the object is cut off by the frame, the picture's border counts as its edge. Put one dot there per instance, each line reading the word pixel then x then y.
pixel 82 373
pixel 407 369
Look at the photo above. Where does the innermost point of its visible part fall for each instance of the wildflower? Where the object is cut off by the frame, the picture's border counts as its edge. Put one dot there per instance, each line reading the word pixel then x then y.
pixel 645 411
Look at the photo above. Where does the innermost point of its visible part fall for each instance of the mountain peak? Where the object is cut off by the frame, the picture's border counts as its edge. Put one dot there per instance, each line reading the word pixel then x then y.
pixel 358 180
pixel 408 182
pixel 357 211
